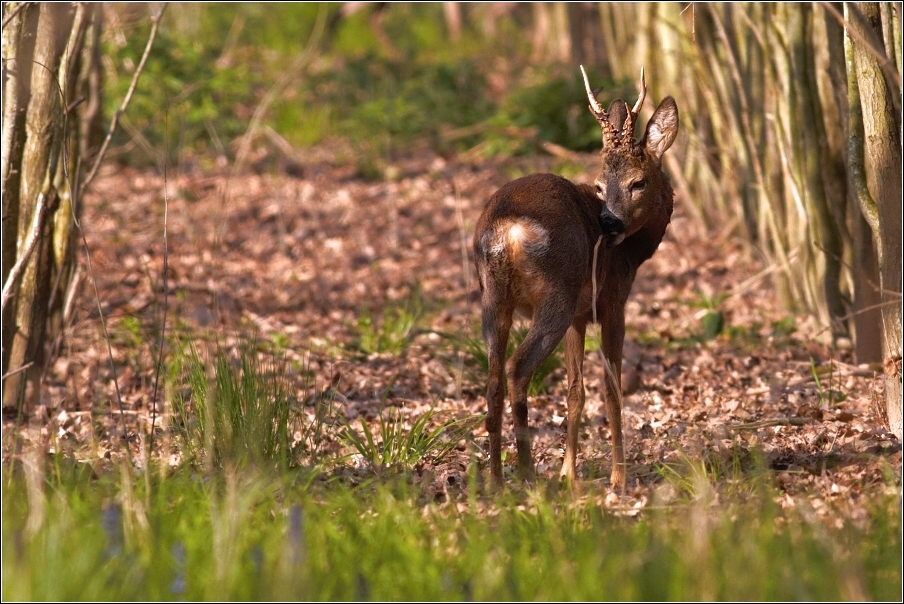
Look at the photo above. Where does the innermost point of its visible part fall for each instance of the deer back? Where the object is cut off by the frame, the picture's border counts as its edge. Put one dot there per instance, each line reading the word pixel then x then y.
pixel 537 233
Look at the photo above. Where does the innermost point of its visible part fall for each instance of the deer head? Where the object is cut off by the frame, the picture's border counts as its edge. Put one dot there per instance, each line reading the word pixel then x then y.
pixel 630 182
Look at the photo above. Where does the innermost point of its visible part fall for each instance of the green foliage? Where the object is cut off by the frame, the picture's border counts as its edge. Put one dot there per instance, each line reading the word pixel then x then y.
pixel 712 323
pixel 281 29
pixel 826 394
pixel 248 536
pixel 184 101
pixel 210 69
pixel 698 477
pixel 394 329
pixel 553 110
pixel 379 104
pixel 234 408
pixel 783 329
pixel 400 446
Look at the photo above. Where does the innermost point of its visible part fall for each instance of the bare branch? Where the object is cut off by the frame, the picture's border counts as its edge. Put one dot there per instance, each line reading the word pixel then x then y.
pixel 18 269
pixel 125 102
pixel 14 12
pixel 19 370
pixel 160 343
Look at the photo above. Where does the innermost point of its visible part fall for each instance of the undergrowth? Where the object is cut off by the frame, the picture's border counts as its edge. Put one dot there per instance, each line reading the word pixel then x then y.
pixel 213 66
pixel 244 534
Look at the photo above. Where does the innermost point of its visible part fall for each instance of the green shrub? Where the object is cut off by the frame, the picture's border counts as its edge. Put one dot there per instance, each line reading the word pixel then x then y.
pixel 183 102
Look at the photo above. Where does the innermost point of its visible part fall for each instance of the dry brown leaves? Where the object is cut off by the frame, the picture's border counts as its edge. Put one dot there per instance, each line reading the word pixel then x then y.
pixel 299 258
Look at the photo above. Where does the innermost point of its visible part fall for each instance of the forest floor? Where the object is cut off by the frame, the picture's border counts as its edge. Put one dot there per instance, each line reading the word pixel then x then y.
pixel 316 264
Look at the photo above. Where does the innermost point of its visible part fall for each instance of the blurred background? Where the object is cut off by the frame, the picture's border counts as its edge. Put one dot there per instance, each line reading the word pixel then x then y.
pixel 762 91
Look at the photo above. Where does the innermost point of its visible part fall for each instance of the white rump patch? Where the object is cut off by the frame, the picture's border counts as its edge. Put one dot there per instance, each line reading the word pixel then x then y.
pixel 516 236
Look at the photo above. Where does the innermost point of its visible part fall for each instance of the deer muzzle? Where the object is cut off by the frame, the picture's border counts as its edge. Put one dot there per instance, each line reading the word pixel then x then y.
pixel 613 228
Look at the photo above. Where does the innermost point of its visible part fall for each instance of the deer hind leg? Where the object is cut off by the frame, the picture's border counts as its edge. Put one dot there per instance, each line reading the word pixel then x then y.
pixel 550 322
pixel 613 338
pixel 497 322
pixel 574 364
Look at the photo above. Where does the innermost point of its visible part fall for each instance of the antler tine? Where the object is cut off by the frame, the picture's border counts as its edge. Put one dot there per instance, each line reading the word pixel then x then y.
pixel 643 93
pixel 595 106
pixel 628 128
pixel 598 112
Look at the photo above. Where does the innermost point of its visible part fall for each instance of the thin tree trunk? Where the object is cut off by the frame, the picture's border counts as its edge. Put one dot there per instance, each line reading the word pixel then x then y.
pixel 18 52
pixel 865 305
pixel 811 145
pixel 452 12
pixel 44 167
pixel 882 151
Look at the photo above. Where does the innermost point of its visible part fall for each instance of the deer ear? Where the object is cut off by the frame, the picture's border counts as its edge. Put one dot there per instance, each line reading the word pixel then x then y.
pixel 662 128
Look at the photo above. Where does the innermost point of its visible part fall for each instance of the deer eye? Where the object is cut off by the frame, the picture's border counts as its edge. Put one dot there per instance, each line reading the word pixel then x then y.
pixel 638 185
pixel 599 191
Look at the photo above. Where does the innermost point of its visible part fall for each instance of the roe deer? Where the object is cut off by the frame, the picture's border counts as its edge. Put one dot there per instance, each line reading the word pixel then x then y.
pixel 535 247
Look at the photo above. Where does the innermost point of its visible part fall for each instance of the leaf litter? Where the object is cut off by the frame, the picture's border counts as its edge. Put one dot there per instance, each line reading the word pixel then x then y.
pixel 316 264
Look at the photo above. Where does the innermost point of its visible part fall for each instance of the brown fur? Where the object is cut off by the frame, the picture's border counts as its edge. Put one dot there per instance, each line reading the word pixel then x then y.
pixel 533 247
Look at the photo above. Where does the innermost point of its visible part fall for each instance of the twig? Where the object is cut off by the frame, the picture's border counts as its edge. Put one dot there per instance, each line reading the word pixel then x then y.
pixel 465 271
pixel 165 298
pixel 155 20
pixel 19 268
pixel 838 368
pixel 560 151
pixel 103 324
pixel 14 13
pixel 19 369
pixel 77 223
pixel 768 423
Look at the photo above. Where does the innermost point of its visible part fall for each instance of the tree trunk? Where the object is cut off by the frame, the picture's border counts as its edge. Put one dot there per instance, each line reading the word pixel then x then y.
pixel 809 135
pixel 882 154
pixel 452 12
pixel 37 151
pixel 866 302
pixel 18 53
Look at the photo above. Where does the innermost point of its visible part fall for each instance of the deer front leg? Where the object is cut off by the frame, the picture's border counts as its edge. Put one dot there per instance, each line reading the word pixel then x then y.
pixel 574 365
pixel 613 337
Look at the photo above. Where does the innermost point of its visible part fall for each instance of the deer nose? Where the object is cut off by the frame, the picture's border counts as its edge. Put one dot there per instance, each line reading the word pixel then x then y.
pixel 612 227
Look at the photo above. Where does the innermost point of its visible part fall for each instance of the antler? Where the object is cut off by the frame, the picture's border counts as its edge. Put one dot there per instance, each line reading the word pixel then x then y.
pixel 643 94
pixel 595 106
pixel 628 129
pixel 599 113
